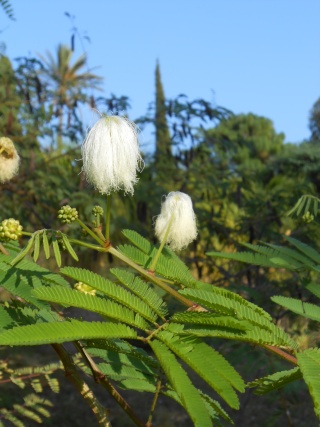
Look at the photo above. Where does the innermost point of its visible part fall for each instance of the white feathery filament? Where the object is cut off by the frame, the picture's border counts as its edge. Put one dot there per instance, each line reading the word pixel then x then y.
pixel 111 155
pixel 9 160
pixel 183 228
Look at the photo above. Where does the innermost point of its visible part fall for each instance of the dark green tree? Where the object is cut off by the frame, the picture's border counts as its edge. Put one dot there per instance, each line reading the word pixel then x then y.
pixel 10 102
pixel 163 154
pixel 314 121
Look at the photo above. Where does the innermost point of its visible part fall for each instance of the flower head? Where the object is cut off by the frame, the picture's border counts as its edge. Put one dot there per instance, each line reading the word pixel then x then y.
pixel 10 229
pixel 111 156
pixel 9 160
pixel 176 212
pixel 67 214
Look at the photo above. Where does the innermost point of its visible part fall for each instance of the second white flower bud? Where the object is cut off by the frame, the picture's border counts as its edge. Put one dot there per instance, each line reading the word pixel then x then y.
pixel 176 212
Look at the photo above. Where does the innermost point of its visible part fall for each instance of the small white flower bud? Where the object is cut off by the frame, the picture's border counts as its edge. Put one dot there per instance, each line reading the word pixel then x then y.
pixel 9 160
pixel 183 228
pixel 111 156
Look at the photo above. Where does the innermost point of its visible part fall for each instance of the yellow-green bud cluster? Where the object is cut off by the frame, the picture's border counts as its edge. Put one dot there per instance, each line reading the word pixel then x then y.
pixel 307 217
pixel 97 210
pixel 10 229
pixel 67 214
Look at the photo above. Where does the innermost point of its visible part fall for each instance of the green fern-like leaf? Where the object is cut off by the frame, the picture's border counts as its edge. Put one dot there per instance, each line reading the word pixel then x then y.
pixel 58 332
pixel 169 264
pixel 307 250
pixel 306 203
pixel 120 348
pixel 226 304
pixel 19 286
pixel 171 269
pixel 306 309
pixel 285 256
pixel 207 363
pixel 135 254
pixel 309 363
pixel 232 296
pixel 119 372
pixel 143 244
pixel 113 291
pixel 246 257
pixel 36 385
pixel 7 415
pixel 215 409
pixel 32 271
pixel 43 374
pixel 221 322
pixel 92 303
pixel 137 385
pixel 275 381
pixel 53 383
pixel 134 359
pixel 12 247
pixel 262 331
pixel 314 288
pixel 15 315
pixel 142 290
pixel 189 396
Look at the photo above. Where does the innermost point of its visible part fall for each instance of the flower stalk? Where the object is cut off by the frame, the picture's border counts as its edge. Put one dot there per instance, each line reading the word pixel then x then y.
pixel 108 216
pixel 164 240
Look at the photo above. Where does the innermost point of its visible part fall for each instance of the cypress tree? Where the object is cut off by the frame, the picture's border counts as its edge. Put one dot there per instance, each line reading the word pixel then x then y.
pixel 10 102
pixel 163 155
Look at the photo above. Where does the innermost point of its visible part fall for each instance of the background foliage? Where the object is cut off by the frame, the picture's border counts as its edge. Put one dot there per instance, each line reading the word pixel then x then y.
pixel 240 173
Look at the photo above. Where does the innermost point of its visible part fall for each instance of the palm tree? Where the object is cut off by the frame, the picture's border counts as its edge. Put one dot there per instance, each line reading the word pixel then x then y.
pixel 67 84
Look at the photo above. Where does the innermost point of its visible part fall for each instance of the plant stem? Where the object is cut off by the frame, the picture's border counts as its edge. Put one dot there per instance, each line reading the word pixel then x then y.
pixel 281 353
pixel 71 373
pixel 108 215
pixel 164 241
pixel 3 249
pixel 154 402
pixel 88 245
pixel 150 277
pixel 100 378
pixel 92 234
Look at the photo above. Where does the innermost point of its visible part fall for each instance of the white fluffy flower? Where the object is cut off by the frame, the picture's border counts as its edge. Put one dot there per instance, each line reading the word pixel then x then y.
pixel 9 160
pixel 177 210
pixel 111 156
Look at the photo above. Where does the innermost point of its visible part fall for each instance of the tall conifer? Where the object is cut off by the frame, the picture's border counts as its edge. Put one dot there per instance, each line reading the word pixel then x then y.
pixel 164 157
pixel 9 100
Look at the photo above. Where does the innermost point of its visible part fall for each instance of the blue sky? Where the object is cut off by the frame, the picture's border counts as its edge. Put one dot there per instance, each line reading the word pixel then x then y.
pixel 259 56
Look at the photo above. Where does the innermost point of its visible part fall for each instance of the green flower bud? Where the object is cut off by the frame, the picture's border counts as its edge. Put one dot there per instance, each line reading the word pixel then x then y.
pixel 67 214
pixel 97 210
pixel 10 229
pixel 307 217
